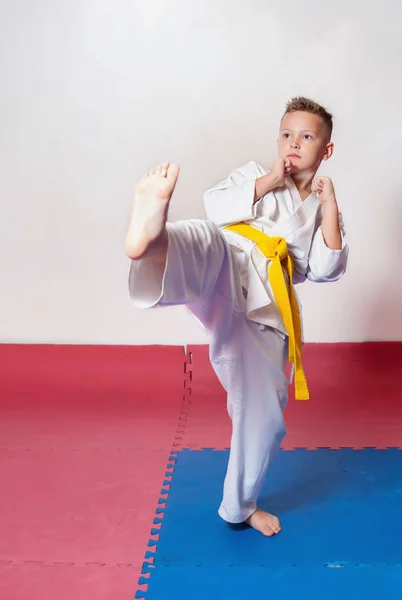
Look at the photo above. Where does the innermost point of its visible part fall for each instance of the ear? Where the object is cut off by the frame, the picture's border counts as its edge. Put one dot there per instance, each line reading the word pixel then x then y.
pixel 329 150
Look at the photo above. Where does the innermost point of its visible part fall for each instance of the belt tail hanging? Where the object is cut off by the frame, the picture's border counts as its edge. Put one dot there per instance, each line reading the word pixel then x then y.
pixel 275 249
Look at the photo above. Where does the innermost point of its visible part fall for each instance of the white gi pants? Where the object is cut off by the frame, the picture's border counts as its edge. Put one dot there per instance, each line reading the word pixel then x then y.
pixel 249 360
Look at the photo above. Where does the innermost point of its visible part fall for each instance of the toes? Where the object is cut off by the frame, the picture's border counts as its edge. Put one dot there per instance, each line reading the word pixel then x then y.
pixel 160 170
pixel 276 527
pixel 274 524
pixel 173 172
pixel 268 532
pixel 156 170
pixel 163 169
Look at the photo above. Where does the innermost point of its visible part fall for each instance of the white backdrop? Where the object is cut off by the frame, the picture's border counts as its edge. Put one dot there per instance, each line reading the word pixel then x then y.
pixel 94 92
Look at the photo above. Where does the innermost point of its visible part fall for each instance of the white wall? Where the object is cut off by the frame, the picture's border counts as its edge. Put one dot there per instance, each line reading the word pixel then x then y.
pixel 93 92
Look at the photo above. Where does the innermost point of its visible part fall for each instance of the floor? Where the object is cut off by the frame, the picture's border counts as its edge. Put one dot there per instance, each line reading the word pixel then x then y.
pixel 111 468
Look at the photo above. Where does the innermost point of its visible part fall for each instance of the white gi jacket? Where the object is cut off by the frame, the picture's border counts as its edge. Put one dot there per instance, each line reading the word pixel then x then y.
pixel 281 213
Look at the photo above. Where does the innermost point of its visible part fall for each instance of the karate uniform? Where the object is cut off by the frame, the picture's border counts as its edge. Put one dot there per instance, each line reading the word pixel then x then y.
pixel 222 278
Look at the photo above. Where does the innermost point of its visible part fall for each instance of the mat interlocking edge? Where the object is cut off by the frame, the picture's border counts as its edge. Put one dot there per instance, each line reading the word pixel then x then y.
pixel 148 563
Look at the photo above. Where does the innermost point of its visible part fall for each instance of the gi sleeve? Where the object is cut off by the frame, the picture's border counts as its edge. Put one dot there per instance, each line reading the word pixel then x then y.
pixel 232 199
pixel 326 265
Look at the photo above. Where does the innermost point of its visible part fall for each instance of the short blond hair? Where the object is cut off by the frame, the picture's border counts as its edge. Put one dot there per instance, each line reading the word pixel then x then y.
pixel 306 105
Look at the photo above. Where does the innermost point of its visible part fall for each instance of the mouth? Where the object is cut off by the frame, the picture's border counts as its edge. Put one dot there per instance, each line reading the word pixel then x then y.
pixel 293 156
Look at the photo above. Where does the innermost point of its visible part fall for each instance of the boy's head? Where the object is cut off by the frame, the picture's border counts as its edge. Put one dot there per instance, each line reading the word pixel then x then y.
pixel 305 134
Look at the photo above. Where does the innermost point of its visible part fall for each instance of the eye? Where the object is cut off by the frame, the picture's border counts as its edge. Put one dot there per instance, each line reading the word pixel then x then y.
pixel 307 136
pixel 286 135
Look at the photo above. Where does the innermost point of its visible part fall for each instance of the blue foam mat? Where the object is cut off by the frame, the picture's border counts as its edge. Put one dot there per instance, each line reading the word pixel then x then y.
pixel 335 507
pixel 341 513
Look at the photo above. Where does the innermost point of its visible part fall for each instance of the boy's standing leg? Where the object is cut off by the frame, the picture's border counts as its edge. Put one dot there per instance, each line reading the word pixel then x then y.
pixel 257 396
pixel 190 263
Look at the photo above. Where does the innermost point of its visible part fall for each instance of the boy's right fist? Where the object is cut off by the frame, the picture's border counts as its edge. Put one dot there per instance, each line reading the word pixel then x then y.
pixel 280 170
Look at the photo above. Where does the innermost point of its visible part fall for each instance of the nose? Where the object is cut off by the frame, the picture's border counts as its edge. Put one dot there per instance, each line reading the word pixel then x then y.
pixel 295 143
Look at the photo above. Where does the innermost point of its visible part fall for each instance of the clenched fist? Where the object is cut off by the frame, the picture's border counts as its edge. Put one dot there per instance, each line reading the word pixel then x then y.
pixel 280 170
pixel 324 188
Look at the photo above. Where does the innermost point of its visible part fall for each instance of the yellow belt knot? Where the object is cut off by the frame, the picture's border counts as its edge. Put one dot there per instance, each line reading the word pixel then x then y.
pixel 276 250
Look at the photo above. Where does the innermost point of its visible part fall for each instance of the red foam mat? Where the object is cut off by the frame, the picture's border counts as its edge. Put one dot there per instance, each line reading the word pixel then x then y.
pixel 79 507
pixel 85 437
pixel 90 396
pixel 61 582
pixel 63 511
pixel 52 374
pixel 355 400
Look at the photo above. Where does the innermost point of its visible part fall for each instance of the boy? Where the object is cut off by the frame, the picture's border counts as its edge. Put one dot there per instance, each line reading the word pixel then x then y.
pixel 235 272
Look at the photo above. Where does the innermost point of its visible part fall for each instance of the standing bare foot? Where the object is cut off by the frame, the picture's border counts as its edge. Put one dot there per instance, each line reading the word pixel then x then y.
pixel 264 522
pixel 149 213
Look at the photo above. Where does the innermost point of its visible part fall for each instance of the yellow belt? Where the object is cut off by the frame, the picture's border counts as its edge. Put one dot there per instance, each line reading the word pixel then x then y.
pixel 276 250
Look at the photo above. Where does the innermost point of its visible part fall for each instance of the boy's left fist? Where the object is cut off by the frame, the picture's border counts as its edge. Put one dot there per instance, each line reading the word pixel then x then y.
pixel 324 188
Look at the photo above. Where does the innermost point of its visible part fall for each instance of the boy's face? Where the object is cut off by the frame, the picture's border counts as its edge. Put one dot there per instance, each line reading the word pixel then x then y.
pixel 303 138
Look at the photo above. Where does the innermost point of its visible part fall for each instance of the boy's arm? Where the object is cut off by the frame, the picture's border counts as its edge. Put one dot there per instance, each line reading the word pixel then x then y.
pixel 324 188
pixel 234 199
pixel 330 227
pixel 329 252
pixel 264 184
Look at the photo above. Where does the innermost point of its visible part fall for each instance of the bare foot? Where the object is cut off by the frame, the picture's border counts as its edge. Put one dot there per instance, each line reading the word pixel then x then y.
pixel 150 207
pixel 264 522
